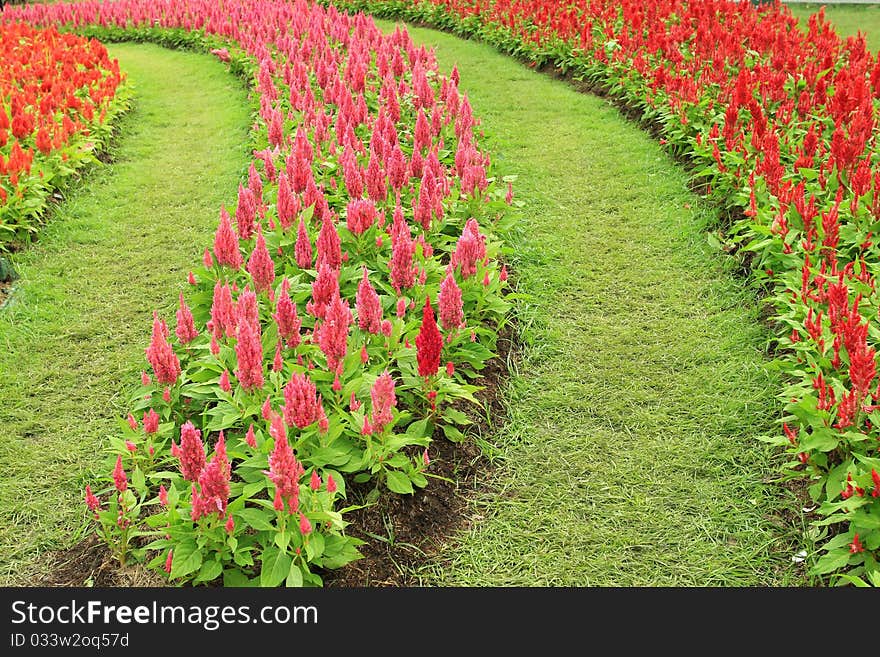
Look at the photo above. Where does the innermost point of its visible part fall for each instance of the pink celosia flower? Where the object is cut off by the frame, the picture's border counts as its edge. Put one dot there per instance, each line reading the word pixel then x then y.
pixel 331 484
pixel 130 446
pixel 222 312
pixel 503 275
pixel 163 495
pixel 305 527
pixel 360 215
pixel 333 333
pixel 260 265
pixel 186 328
pixel 287 204
pixel 383 398
pixel 286 317
pixel 402 250
pixel 284 472
pixel 132 422
pixel 207 260
pixel 151 421
pixel 145 378
pixel 226 243
pixel 92 501
pixel 247 308
pixel 324 289
pixel 328 245
pixel 161 356
pixel 303 248
pixel 230 525
pixel 401 307
pixel 368 306
pixel 323 422
pixel 225 386
pixel 213 495
pixel 119 478
pixel 425 458
pixel 191 279
pixel 250 438
pixel 190 452
pixel 266 409
pixel 168 561
pixel 449 303
pixel 315 482
pixel 301 402
pixel 245 213
pixel 249 352
pixel 428 342
pixel 450 368
pixel 278 361
pixel 470 250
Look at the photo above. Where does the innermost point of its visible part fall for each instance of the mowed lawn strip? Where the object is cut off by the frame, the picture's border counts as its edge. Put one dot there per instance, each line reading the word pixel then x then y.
pixel 631 454
pixel 72 338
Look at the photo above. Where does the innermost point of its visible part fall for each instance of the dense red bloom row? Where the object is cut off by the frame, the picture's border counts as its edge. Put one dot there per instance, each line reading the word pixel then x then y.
pixel 54 89
pixel 782 124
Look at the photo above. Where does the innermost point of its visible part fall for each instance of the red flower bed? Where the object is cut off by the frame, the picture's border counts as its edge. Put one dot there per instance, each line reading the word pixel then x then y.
pixel 780 126
pixel 56 91
pixel 307 353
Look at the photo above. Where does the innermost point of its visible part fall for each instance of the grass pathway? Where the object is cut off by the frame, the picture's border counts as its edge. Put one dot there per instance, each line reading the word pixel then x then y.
pixel 72 340
pixel 630 457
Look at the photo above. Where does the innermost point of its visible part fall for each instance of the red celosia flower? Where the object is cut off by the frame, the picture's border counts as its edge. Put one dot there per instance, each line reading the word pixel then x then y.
pixel 186 328
pixel 260 265
pixel 190 452
pixel 368 306
pixel 305 527
pixel 169 560
pixel 856 546
pixel 226 243
pixel 301 402
pixel 429 342
pixel 331 484
pixel 119 478
pixel 161 356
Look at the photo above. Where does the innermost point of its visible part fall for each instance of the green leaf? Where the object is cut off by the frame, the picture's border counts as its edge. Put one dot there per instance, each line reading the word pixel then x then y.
pixel 187 559
pixel 315 546
pixel 398 482
pixel 235 578
pixel 830 562
pixel 276 567
pixel 209 572
pixel 138 480
pixel 256 518
pixel 294 577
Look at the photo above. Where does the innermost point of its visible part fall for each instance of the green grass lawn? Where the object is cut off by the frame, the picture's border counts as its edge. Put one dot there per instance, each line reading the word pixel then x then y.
pixel 631 455
pixel 848 19
pixel 72 338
